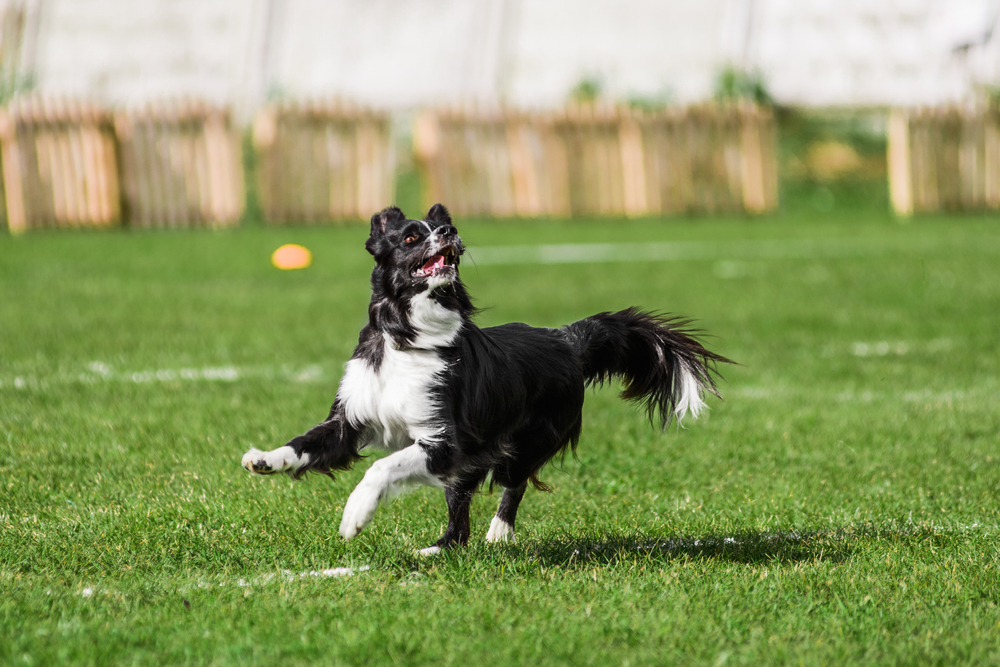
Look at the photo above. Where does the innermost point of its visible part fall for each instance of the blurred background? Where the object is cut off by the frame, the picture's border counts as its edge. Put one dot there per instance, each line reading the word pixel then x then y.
pixel 400 54
pixel 343 89
pixel 744 162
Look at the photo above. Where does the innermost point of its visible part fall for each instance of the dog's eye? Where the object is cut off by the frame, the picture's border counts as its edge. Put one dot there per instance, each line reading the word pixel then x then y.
pixel 410 238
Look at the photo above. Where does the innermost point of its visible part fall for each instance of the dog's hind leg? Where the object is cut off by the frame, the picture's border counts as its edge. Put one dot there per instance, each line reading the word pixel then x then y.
pixel 386 479
pixel 502 526
pixel 533 447
pixel 459 498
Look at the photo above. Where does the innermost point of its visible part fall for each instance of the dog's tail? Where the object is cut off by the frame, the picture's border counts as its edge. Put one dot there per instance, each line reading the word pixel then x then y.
pixel 657 357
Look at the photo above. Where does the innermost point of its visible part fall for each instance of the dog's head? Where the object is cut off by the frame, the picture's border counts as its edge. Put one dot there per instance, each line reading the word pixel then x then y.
pixel 417 296
pixel 423 253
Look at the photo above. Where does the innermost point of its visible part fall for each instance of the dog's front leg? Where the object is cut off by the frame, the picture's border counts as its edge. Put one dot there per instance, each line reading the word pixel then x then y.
pixel 386 479
pixel 329 446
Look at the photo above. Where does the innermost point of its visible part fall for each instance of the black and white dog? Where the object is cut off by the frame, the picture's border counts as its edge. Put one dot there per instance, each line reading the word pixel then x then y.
pixel 455 404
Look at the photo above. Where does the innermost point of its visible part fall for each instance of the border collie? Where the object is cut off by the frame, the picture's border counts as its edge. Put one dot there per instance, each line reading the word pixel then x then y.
pixel 455 404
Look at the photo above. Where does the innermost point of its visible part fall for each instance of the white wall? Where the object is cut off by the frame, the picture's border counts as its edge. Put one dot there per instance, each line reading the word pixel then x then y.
pixel 645 48
pixel 394 53
pixel 121 51
pixel 406 53
pixel 381 52
pixel 870 52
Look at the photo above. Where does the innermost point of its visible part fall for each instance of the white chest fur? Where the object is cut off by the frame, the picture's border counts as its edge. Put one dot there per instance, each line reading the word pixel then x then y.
pixel 395 403
pixel 436 325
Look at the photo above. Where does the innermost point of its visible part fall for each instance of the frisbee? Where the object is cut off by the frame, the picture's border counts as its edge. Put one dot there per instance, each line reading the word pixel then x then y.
pixel 291 256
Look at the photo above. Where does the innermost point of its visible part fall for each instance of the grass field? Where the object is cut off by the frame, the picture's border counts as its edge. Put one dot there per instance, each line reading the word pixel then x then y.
pixel 840 507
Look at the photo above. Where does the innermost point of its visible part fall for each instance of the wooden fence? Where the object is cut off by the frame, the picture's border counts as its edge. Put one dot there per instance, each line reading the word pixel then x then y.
pixel 944 159
pixel 323 161
pixel 72 164
pixel 58 163
pixel 599 161
pixel 181 166
pixel 178 165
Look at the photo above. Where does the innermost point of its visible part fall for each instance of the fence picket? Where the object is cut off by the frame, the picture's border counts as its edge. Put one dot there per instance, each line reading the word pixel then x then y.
pixel 944 158
pixel 53 168
pixel 991 158
pixel 181 166
pixel 600 161
pixel 322 161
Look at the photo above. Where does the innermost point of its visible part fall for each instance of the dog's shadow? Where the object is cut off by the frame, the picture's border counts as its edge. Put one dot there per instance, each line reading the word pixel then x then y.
pixel 746 548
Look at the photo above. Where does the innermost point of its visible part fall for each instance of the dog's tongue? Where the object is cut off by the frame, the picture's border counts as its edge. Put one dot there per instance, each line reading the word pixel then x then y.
pixel 434 263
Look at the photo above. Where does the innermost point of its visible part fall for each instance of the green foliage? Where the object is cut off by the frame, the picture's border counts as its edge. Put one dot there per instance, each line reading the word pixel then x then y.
pixel 409 194
pixel 840 507
pixel 811 179
pixel 862 130
pixel 586 91
pixel 737 84
pixel 651 102
pixel 992 95
pixel 253 213
pixel 12 85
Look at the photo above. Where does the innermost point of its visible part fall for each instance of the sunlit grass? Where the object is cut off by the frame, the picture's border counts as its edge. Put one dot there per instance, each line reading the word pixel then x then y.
pixel 841 505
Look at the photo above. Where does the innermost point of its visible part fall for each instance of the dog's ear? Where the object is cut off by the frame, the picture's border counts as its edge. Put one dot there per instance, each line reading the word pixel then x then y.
pixel 438 214
pixel 382 219
pixel 380 222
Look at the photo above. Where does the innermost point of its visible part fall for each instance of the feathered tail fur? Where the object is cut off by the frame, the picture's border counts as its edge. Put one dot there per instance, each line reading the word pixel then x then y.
pixel 658 358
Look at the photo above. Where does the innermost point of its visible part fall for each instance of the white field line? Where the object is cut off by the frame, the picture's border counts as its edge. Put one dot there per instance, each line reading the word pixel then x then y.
pixel 285 576
pixel 784 394
pixel 595 253
pixel 288 576
pixel 98 371
pixel 771 393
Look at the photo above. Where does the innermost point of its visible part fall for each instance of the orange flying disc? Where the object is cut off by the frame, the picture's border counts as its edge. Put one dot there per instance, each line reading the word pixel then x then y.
pixel 291 256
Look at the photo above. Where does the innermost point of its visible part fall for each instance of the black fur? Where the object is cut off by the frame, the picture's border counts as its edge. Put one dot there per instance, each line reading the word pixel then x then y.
pixel 510 396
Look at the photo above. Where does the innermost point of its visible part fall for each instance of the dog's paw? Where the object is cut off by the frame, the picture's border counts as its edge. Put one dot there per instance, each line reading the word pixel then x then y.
pixel 359 510
pixel 282 459
pixel 429 551
pixel 500 531
pixel 255 461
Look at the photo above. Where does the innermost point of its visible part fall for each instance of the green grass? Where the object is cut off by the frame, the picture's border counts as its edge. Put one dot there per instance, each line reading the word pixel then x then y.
pixel 840 507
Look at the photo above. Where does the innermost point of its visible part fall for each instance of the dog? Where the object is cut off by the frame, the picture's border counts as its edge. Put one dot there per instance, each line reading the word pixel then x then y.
pixel 455 404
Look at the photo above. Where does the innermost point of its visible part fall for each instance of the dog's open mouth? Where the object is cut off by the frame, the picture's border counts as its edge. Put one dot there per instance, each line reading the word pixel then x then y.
pixel 437 263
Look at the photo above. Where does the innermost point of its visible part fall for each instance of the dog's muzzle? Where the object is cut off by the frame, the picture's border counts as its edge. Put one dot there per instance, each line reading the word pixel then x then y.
pixel 445 260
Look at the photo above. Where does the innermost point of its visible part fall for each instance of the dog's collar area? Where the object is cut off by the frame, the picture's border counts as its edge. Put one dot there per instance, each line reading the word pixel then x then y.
pixel 401 347
pixel 405 347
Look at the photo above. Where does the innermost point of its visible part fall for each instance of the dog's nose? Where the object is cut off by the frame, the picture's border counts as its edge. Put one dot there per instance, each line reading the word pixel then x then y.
pixel 447 230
